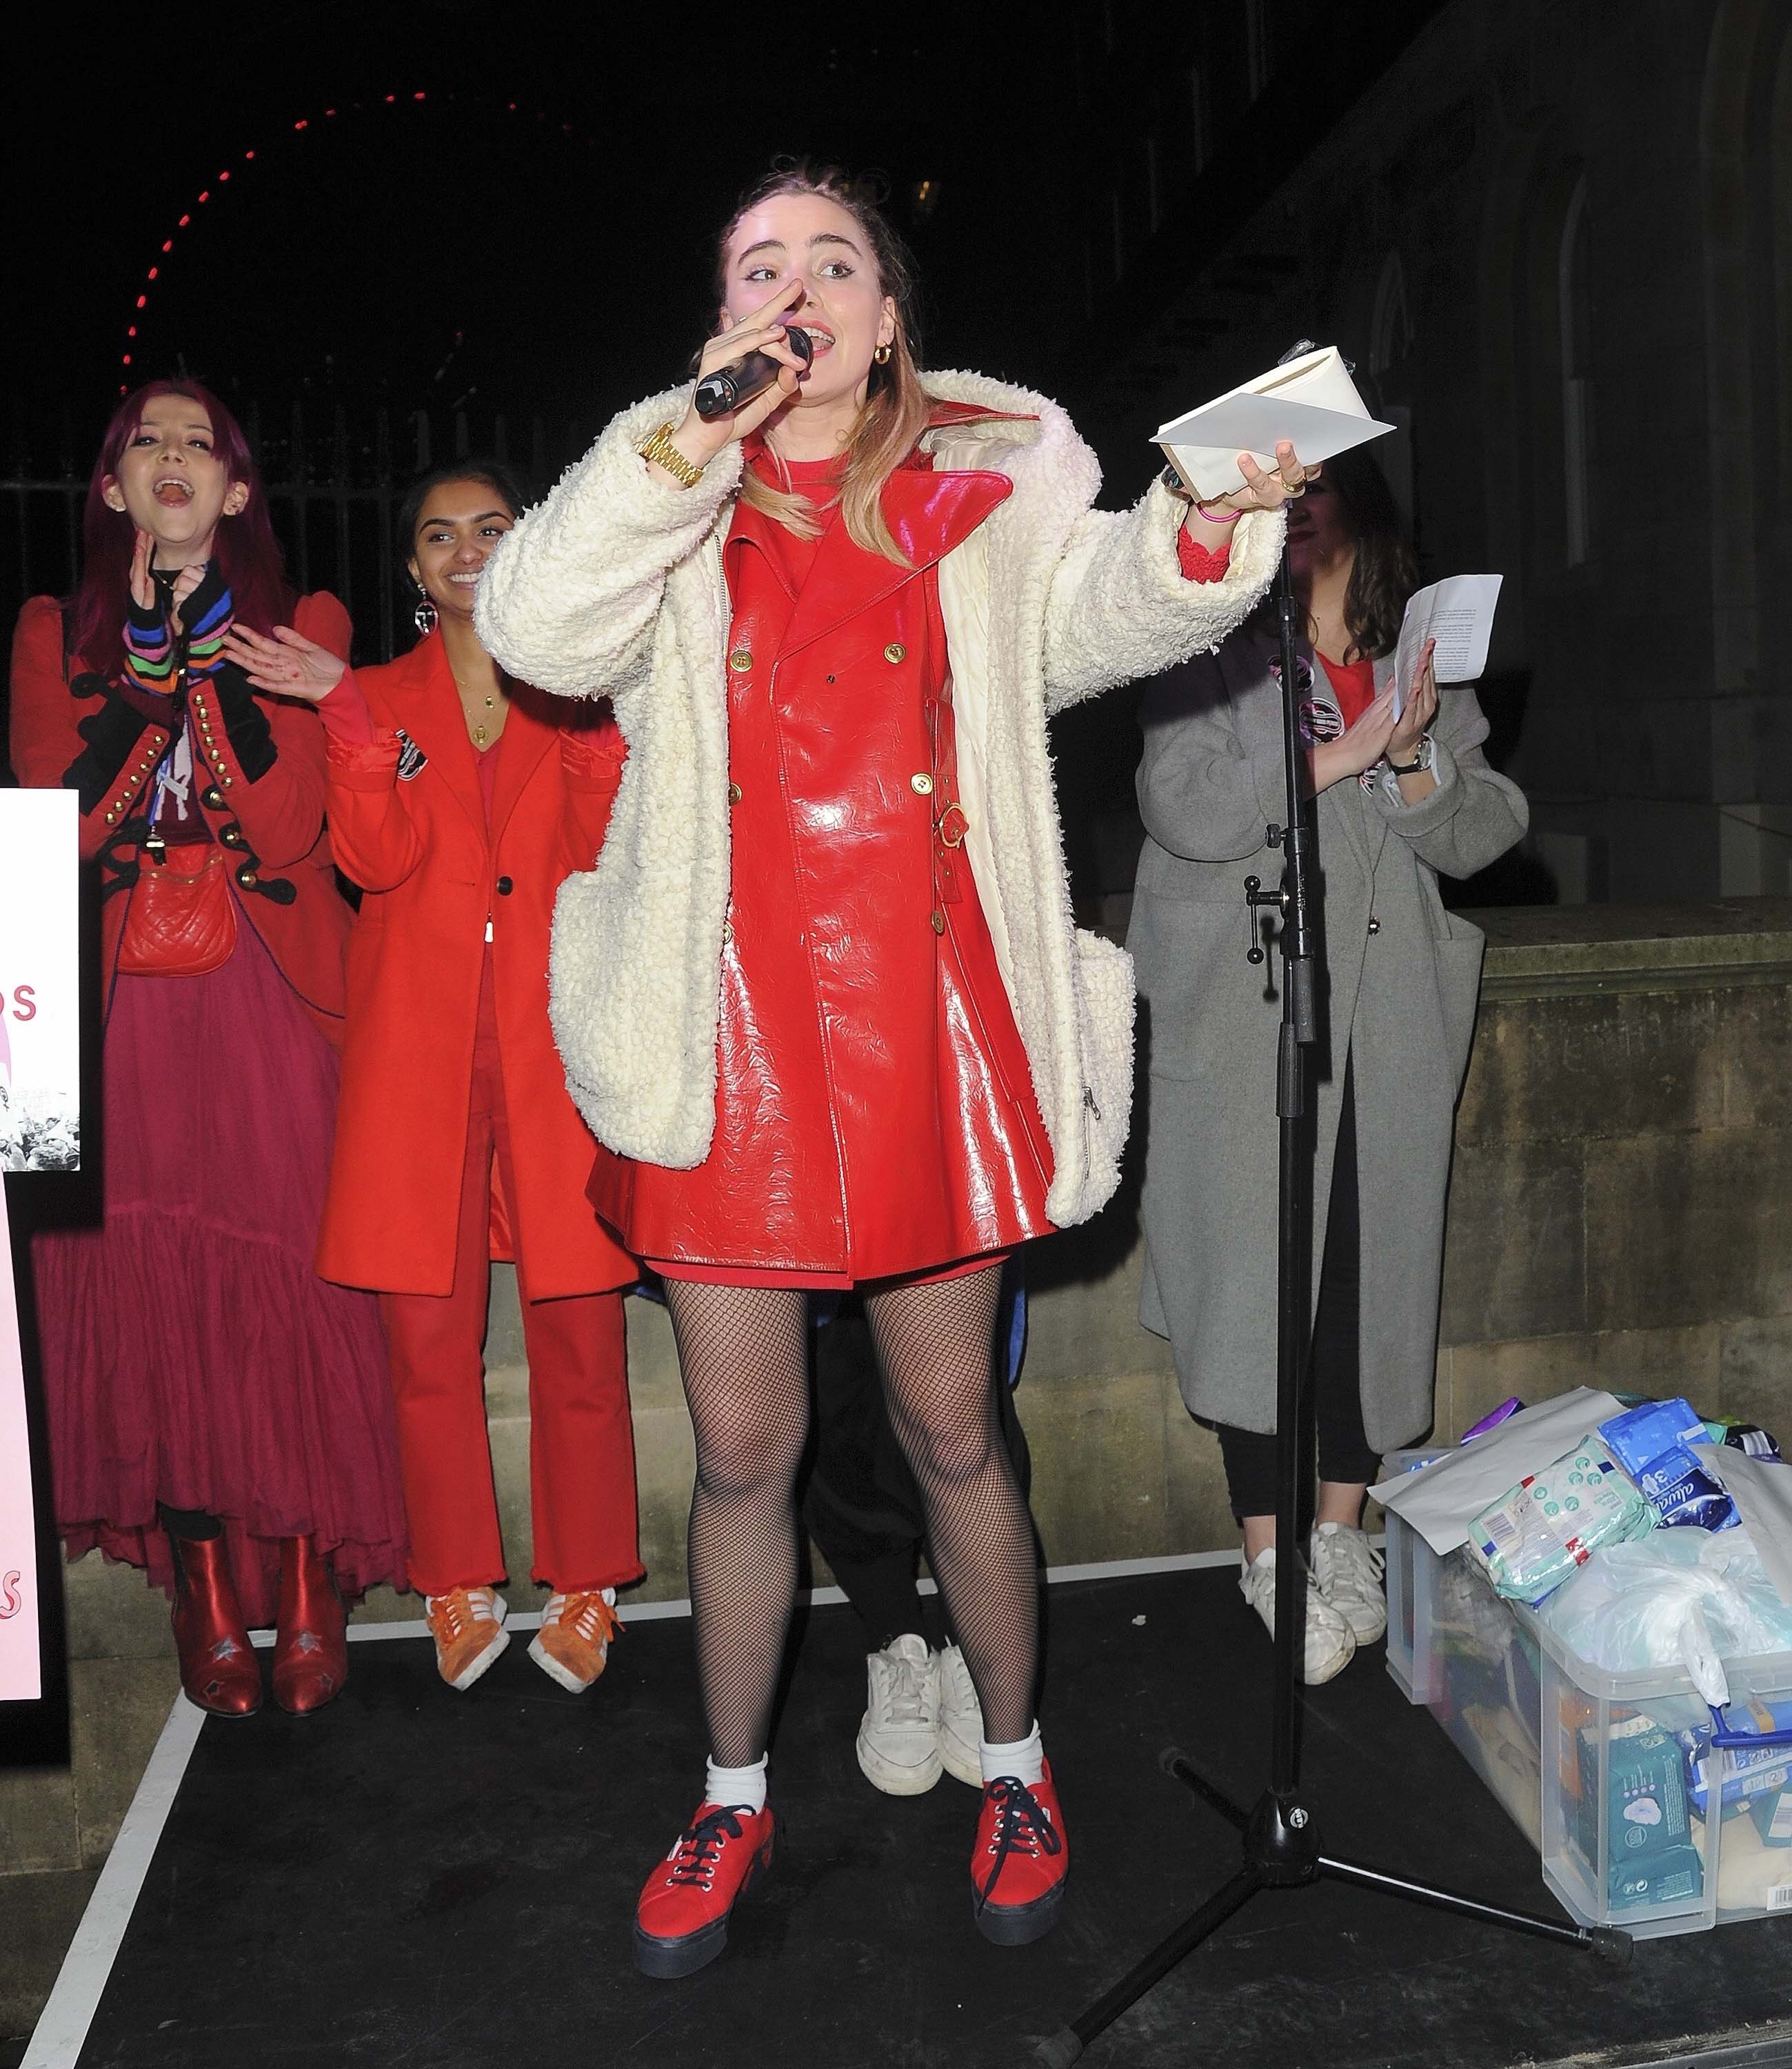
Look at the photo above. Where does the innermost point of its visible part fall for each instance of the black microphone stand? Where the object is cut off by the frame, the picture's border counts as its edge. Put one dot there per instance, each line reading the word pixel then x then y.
pixel 1281 1832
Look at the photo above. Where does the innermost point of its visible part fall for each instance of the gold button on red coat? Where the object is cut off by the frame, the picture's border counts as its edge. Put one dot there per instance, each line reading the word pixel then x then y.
pixel 740 660
pixel 939 921
pixel 895 652
pixel 922 784
pixel 735 794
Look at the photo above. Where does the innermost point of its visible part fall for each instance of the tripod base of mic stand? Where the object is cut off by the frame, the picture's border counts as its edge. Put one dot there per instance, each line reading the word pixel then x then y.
pixel 1281 1851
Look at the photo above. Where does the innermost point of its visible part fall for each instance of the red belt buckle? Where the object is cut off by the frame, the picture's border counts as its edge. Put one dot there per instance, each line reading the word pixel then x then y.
pixel 952 826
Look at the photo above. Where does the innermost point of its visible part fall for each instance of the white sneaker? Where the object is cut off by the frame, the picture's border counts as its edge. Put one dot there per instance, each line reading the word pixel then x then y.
pixel 960 1734
pixel 896 1746
pixel 1330 1639
pixel 1347 1571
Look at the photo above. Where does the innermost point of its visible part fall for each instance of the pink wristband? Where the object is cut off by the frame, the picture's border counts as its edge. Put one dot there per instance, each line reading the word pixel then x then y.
pixel 1219 516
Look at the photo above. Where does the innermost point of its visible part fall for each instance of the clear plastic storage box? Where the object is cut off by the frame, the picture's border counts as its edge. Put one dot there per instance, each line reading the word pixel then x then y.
pixel 1642 1817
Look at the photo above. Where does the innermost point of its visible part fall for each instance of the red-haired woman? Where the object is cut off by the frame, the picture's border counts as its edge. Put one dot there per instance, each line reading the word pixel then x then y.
pixel 459 800
pixel 821 997
pixel 217 1413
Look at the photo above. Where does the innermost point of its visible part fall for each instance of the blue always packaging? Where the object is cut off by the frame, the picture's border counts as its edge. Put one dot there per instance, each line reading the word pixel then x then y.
pixel 1650 1442
pixel 1542 1530
pixel 1756 1775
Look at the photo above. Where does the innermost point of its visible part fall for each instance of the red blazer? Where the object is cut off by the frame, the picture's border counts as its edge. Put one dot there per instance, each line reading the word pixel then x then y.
pixel 410 828
pixel 262 762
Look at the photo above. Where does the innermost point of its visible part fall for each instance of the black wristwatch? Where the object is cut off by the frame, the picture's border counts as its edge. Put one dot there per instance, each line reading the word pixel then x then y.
pixel 1418 767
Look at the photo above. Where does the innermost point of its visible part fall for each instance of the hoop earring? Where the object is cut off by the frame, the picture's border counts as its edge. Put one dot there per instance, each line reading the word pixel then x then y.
pixel 424 617
pixel 881 355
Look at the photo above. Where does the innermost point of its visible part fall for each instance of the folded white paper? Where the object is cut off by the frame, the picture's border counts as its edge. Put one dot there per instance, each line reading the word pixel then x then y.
pixel 1441 1501
pixel 1762 1489
pixel 1312 401
pixel 1458 613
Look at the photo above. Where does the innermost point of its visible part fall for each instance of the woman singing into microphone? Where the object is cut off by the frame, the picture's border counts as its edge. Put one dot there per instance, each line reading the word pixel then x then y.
pixel 217 1415
pixel 821 1000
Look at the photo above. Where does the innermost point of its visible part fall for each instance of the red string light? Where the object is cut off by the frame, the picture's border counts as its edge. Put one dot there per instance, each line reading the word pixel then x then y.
pixel 303 124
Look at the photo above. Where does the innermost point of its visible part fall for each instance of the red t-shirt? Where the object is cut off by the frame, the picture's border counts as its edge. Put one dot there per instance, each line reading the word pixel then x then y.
pixel 1354 684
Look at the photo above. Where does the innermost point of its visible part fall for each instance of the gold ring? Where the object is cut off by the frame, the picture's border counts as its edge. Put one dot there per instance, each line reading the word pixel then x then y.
pixel 1291 489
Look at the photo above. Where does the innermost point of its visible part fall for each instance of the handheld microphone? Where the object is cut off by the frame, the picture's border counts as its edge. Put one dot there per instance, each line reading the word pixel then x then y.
pixel 731 387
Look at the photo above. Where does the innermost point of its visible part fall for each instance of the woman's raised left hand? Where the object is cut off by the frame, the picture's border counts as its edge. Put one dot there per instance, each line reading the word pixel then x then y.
pixel 1266 490
pixel 288 665
pixel 1421 709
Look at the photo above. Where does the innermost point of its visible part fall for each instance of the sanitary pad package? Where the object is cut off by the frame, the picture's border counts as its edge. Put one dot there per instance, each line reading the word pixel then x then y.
pixel 1651 1858
pixel 1752 1773
pixel 1534 1537
pixel 1650 1442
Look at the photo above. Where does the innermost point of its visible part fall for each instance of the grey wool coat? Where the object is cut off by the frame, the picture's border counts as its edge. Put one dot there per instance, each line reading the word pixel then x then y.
pixel 1397 993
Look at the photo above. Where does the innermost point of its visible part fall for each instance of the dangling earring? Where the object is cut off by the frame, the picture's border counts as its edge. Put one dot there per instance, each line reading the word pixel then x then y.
pixel 424 617
pixel 881 355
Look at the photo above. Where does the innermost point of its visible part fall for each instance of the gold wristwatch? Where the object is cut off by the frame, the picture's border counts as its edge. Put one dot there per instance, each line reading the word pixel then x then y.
pixel 661 450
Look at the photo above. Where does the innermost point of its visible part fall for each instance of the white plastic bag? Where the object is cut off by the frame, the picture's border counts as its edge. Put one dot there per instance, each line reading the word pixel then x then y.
pixel 1689 1598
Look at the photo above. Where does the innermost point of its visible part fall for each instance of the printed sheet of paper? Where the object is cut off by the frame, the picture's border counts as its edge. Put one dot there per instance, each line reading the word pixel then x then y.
pixel 1312 401
pixel 1458 613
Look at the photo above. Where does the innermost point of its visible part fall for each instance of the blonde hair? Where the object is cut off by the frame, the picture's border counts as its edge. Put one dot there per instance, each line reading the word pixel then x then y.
pixel 896 404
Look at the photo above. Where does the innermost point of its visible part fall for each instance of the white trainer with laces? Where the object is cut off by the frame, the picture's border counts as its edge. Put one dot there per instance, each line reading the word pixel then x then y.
pixel 1347 1571
pixel 896 1740
pixel 1330 1643
pixel 961 1733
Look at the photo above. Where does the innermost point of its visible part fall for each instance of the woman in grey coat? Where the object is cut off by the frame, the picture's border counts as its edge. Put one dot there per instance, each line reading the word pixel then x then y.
pixel 1397 803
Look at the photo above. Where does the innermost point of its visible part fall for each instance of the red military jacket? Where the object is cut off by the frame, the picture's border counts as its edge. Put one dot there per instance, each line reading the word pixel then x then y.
pixel 410 828
pixel 261 763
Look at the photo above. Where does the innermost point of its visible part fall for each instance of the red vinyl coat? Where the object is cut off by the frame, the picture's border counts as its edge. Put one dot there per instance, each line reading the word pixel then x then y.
pixel 261 760
pixel 412 833
pixel 875 1113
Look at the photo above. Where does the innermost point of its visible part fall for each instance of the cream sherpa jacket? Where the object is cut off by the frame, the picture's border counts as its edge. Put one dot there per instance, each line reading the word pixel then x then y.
pixel 613 587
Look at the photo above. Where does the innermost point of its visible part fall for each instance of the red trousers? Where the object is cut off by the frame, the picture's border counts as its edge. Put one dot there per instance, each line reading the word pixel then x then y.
pixel 581 1436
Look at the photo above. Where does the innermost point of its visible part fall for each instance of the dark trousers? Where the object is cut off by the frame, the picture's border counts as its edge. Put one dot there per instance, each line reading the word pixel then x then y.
pixel 860 1504
pixel 1335 1365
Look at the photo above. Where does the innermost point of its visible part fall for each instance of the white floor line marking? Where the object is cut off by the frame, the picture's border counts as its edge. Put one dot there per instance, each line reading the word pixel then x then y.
pixel 56 2043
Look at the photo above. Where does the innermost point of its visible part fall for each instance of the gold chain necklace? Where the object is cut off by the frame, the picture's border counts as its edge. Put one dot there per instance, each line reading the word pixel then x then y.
pixel 481 733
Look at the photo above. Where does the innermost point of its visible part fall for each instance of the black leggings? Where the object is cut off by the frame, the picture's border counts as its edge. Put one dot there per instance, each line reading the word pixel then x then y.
pixel 1334 1364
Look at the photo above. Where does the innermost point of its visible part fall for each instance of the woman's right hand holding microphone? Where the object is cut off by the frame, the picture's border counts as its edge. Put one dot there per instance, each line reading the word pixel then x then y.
pixel 699 439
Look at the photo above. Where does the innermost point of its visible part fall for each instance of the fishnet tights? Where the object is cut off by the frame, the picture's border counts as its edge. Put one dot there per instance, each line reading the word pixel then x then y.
pixel 743 1352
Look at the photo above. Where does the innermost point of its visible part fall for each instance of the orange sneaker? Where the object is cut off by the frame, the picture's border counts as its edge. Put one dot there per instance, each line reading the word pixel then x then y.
pixel 573 1644
pixel 467 1625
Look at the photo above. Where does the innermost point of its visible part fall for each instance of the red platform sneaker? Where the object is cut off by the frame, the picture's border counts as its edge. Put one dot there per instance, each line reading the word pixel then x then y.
pixel 311 1654
pixel 1018 1871
pixel 682 1921
pixel 218 1670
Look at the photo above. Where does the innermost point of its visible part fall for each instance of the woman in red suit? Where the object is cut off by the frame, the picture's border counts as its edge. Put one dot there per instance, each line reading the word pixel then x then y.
pixel 459 800
pixel 198 1376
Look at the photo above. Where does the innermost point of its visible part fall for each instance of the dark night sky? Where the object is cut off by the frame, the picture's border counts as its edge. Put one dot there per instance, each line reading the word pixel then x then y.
pixel 341 261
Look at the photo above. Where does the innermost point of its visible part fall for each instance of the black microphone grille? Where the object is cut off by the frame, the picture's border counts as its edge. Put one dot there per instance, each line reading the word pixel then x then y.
pixel 800 342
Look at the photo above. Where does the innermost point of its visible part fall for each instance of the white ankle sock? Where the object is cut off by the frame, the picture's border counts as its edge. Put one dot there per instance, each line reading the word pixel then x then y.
pixel 1024 1759
pixel 737 1787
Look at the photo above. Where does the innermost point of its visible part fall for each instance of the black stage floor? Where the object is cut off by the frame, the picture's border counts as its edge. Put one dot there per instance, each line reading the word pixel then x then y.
pixel 419 1879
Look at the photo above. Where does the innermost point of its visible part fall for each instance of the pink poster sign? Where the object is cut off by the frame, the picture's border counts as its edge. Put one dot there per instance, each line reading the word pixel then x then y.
pixel 40 1130
pixel 19 1676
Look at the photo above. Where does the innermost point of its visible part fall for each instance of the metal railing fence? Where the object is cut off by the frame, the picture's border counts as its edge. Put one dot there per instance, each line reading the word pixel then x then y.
pixel 332 493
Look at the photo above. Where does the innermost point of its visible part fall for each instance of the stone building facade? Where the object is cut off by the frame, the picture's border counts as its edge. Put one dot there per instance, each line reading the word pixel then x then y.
pixel 1556 243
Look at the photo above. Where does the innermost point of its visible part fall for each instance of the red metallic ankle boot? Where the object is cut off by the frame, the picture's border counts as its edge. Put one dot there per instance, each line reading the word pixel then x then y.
pixel 311 1654
pixel 219 1669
